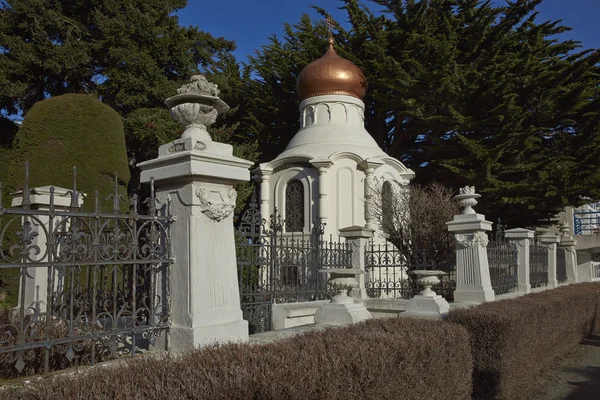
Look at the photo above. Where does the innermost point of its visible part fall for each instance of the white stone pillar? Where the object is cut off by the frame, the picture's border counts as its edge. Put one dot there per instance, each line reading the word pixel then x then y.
pixel 473 284
pixel 552 242
pixel 522 238
pixel 323 187
pixel 198 174
pixel 35 293
pixel 263 174
pixel 358 237
pixel 369 167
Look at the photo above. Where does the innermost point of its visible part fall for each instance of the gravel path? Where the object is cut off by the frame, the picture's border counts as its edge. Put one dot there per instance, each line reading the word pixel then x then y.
pixel 574 376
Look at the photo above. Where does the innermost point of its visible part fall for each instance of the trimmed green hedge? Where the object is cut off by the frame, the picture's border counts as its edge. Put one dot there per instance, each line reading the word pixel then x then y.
pixel 381 359
pixel 512 340
pixel 66 131
pixel 56 135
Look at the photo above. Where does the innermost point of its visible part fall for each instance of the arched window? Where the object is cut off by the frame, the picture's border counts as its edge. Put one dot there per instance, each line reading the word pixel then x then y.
pixel 294 206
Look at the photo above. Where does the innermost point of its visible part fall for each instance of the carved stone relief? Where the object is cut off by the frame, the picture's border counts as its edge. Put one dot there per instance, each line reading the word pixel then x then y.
pixel 466 241
pixel 213 209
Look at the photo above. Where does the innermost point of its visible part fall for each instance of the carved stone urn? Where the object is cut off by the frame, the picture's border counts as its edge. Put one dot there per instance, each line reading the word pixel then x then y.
pixel 195 107
pixel 467 198
pixel 564 229
pixel 342 280
pixel 427 279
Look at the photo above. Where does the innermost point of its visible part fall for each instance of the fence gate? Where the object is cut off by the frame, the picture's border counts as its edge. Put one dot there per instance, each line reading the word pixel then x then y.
pixel 91 285
pixel 280 267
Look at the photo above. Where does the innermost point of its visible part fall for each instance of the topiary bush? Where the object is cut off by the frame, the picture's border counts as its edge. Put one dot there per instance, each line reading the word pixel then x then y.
pixel 56 135
pixel 66 131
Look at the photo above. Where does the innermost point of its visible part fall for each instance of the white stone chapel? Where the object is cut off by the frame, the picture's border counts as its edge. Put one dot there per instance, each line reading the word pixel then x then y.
pixel 330 165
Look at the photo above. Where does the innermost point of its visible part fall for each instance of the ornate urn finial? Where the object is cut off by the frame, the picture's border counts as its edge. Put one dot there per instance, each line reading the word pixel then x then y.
pixel 564 229
pixel 467 199
pixel 196 106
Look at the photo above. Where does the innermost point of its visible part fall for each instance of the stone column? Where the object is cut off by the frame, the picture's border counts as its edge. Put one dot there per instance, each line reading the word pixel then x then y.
pixel 47 198
pixel 358 237
pixel 522 238
pixel 323 166
pixel 369 167
pixel 552 242
pixel 198 174
pixel 263 174
pixel 473 284
pixel 568 243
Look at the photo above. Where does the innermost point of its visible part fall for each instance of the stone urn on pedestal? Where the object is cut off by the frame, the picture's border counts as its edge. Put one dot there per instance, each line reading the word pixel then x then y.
pixel 195 107
pixel 198 176
pixel 467 199
pixel 427 301
pixel 343 310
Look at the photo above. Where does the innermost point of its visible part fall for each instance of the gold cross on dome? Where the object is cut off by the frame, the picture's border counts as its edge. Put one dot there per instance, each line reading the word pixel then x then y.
pixel 329 23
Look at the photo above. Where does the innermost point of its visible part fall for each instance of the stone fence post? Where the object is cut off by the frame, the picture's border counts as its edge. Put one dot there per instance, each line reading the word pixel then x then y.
pixel 33 295
pixel 473 284
pixel 522 238
pixel 552 242
pixel 198 175
pixel 568 243
pixel 358 237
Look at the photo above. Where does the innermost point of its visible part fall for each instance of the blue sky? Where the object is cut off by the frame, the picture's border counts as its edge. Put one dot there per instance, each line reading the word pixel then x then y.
pixel 249 23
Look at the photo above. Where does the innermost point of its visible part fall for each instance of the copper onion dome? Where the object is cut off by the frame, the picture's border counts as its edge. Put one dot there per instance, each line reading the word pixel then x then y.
pixel 331 74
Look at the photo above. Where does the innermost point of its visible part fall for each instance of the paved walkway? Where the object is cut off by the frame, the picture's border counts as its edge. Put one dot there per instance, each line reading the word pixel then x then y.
pixel 575 376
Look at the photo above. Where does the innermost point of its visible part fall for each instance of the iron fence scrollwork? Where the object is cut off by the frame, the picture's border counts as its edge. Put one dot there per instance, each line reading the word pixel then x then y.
pixel 561 265
pixel 100 280
pixel 388 270
pixel 278 266
pixel 538 264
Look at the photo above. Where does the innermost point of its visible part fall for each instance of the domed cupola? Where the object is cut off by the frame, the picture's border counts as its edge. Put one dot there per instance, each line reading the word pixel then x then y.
pixel 331 75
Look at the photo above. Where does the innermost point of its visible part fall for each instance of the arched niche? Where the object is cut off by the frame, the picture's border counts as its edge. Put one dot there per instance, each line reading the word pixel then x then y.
pixel 296 176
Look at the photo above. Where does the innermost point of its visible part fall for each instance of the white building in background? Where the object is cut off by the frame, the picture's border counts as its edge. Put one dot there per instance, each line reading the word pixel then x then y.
pixel 332 162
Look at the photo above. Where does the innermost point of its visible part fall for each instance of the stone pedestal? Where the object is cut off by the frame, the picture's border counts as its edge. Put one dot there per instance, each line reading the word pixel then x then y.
pixel 427 301
pixel 33 295
pixel 342 310
pixel 473 284
pixel 522 238
pixel 552 242
pixel 205 301
pixel 198 174
pixel 358 237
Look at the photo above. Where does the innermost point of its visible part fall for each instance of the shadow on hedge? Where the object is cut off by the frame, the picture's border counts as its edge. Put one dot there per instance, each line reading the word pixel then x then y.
pixel 512 340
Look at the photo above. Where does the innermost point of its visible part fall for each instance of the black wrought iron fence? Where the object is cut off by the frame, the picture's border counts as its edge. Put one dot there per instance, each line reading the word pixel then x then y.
pixel 503 259
pixel 538 264
pixel 388 271
pixel 279 267
pixel 561 265
pixel 92 285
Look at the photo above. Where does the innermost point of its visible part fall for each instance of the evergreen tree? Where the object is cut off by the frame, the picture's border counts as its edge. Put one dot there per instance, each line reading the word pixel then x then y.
pixel 461 91
pixel 132 55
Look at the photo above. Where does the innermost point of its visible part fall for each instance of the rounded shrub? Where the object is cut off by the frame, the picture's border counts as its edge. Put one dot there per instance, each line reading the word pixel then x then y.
pixel 72 130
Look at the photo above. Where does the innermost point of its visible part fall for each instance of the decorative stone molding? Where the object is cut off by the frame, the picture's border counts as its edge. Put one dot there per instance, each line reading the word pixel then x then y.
pixel 468 240
pixel 217 211
pixel 325 112
pixel 291 165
